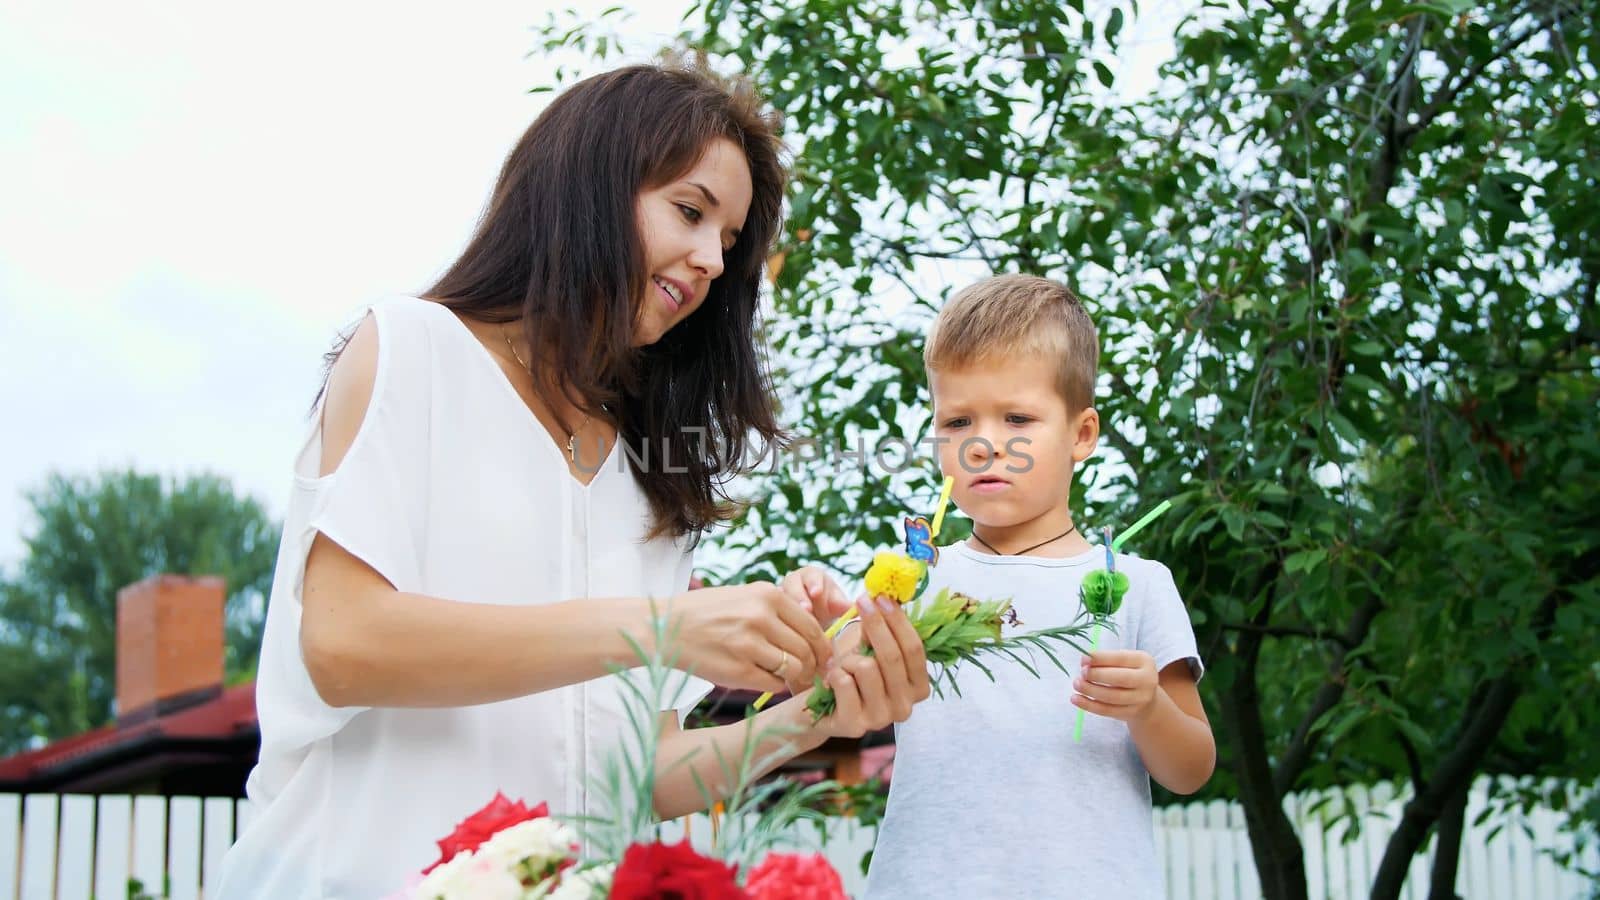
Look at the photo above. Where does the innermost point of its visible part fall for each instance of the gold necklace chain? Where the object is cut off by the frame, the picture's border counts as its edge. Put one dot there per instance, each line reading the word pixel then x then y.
pixel 572 436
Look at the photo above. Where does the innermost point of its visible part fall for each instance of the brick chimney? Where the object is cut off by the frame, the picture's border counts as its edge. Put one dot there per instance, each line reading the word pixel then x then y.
pixel 169 644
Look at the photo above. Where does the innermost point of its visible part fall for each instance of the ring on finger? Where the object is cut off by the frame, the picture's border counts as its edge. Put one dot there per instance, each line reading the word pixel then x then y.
pixel 783 665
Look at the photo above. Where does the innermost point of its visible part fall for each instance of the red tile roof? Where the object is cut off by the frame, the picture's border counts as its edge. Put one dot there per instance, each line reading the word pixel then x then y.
pixel 231 714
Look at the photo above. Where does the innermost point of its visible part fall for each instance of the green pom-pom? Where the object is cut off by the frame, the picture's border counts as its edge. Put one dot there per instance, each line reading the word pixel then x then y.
pixel 1103 592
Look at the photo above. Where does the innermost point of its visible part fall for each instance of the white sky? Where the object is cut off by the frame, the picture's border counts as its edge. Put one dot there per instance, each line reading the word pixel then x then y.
pixel 194 196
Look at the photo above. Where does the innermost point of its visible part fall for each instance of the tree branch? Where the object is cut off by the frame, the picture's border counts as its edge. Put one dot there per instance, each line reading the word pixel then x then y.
pixel 971 252
pixel 1443 101
pixel 975 240
pixel 1453 775
pixel 1481 724
pixel 1406 82
pixel 1276 848
pixel 1029 259
pixel 1386 167
pixel 1447 855
pixel 1298 754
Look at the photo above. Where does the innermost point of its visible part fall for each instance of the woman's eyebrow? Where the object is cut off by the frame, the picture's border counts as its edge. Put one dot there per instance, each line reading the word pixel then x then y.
pixel 711 200
pixel 710 197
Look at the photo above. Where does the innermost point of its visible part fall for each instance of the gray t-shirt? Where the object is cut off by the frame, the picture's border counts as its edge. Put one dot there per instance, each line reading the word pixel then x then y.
pixel 991 798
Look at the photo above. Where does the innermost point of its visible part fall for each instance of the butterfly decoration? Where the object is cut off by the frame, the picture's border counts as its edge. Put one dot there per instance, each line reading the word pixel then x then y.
pixel 919 541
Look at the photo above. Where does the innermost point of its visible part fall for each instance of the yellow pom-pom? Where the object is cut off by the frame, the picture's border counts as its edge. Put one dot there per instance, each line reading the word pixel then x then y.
pixel 893 575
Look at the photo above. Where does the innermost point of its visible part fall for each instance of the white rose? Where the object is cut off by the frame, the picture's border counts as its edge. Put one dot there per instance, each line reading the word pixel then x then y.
pixel 539 841
pixel 585 885
pixel 433 884
pixel 470 876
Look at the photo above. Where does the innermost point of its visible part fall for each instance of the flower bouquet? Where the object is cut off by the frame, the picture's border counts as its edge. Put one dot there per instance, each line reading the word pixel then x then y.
pixel 507 851
pixel 510 851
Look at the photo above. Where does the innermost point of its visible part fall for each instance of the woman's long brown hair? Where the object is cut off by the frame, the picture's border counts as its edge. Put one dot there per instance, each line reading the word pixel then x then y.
pixel 559 247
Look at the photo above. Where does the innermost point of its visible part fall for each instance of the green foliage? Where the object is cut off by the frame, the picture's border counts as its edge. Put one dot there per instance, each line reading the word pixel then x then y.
pixel 137 890
pixel 92 537
pixel 758 814
pixel 1344 262
pixel 866 802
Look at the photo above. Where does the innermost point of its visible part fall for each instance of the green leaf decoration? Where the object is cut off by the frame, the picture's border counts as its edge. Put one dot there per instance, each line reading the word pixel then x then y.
pixel 1102 592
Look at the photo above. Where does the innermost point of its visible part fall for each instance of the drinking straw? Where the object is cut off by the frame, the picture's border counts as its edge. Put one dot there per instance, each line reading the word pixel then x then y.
pixel 1111 568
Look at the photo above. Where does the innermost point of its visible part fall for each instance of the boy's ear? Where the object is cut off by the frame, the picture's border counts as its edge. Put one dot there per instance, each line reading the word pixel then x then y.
pixel 1086 434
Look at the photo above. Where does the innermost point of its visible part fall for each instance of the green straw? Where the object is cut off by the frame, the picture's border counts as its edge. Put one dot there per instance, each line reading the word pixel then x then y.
pixel 1094 644
pixel 1077 731
pixel 1148 518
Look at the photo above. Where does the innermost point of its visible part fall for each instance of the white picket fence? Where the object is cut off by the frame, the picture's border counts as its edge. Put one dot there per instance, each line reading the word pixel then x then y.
pixel 1205 850
pixel 76 847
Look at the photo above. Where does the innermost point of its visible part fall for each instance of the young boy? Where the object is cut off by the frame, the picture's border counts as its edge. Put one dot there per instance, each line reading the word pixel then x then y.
pixel 991 796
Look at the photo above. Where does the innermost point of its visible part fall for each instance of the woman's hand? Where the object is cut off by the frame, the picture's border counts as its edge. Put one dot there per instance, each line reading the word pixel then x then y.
pixel 816 590
pixel 873 692
pixel 755 636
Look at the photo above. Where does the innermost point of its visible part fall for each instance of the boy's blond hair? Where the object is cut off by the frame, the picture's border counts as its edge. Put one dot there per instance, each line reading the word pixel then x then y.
pixel 1007 316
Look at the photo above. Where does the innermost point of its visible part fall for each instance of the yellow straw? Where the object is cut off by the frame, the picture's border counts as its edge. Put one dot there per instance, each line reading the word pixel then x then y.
pixel 839 623
pixel 938 514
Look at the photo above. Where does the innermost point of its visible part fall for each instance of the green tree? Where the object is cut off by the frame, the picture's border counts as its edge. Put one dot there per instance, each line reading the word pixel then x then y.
pixel 1344 262
pixel 93 536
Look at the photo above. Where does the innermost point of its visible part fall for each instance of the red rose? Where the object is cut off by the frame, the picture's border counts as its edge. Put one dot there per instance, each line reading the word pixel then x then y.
pixel 795 876
pixel 482 825
pixel 673 872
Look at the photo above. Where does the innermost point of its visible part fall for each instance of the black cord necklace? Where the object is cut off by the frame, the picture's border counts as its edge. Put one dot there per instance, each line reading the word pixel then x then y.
pixel 1025 549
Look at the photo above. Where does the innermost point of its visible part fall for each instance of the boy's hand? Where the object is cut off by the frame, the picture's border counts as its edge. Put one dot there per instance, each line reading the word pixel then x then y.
pixel 873 692
pixel 1118 684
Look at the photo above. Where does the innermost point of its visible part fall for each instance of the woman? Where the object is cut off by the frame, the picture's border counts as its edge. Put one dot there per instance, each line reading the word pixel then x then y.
pixel 506 479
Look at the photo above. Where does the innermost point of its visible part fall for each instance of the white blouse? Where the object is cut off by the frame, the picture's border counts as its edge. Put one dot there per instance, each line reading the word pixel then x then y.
pixel 451 488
